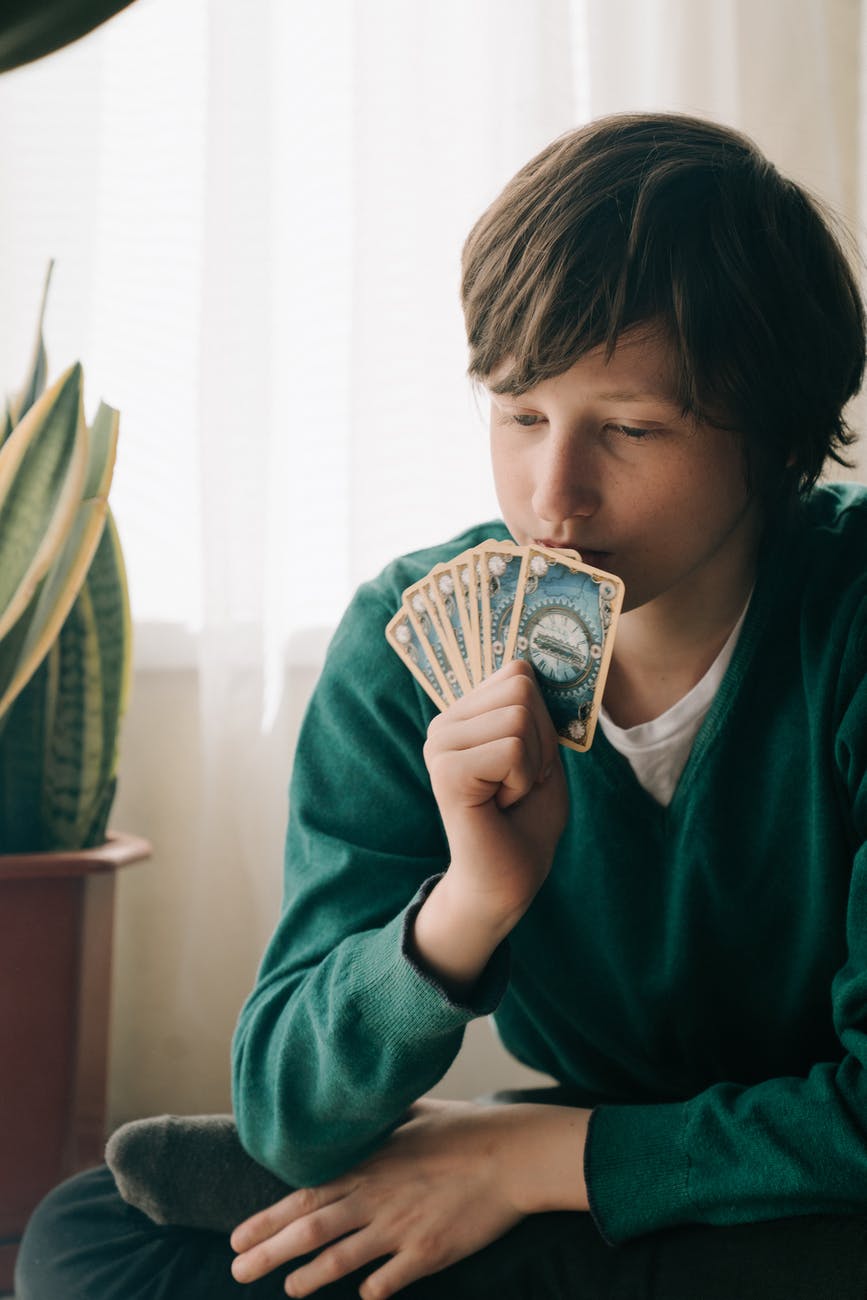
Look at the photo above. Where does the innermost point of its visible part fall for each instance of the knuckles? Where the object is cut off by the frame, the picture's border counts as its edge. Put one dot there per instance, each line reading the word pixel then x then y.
pixel 515 751
pixel 523 689
pixel 431 1247
pixel 306 1200
pixel 336 1264
pixel 374 1290
pixel 308 1238
pixel 515 667
pixel 520 722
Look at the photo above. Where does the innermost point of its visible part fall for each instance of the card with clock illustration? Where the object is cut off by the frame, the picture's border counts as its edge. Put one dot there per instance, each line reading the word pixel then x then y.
pixel 563 623
pixel 499 602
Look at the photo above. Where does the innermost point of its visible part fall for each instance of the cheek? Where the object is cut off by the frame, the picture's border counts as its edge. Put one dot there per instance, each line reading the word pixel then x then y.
pixel 723 473
pixel 710 488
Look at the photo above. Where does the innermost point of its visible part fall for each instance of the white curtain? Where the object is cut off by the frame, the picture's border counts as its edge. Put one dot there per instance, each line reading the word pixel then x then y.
pixel 257 209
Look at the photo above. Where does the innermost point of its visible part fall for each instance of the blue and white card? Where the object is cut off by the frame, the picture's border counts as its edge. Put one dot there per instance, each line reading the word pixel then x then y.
pixel 563 624
pixel 445 587
pixel 499 570
pixel 420 604
pixel 404 639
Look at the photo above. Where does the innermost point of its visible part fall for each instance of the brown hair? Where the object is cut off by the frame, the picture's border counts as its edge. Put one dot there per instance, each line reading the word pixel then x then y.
pixel 670 220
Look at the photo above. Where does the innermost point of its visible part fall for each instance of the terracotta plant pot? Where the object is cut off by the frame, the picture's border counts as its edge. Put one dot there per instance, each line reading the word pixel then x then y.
pixel 56 923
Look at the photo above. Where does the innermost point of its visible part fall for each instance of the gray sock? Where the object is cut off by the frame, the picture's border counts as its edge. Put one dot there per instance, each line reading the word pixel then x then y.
pixel 190 1171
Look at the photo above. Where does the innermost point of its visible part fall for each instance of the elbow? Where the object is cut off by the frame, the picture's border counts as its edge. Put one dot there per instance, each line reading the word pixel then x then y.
pixel 282 1136
pixel 295 1152
pixel 295 1157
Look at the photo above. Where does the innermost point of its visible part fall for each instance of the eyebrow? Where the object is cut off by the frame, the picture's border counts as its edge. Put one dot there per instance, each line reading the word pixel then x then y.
pixel 625 395
pixel 622 395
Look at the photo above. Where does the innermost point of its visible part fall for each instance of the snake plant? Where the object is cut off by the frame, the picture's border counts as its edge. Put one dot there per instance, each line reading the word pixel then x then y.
pixel 65 642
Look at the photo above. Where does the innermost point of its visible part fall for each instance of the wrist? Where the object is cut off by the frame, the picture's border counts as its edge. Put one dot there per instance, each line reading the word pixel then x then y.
pixel 450 941
pixel 544 1167
pixel 480 906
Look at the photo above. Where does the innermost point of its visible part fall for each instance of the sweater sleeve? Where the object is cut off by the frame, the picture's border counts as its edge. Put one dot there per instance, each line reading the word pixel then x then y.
pixel 781 1147
pixel 343 1031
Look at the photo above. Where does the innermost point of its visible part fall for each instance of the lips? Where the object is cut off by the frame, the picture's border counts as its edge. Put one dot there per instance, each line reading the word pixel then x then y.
pixel 588 556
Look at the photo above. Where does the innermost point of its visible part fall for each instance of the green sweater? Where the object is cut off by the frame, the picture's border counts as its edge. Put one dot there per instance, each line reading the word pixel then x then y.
pixel 697 972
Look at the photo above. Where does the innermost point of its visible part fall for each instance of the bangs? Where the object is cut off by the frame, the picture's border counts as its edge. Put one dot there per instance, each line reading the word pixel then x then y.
pixel 681 226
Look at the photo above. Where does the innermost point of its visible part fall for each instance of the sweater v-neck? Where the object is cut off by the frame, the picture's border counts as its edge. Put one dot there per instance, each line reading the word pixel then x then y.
pixel 616 765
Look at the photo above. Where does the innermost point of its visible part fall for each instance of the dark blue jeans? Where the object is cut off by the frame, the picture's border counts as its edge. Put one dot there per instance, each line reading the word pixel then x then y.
pixel 85 1243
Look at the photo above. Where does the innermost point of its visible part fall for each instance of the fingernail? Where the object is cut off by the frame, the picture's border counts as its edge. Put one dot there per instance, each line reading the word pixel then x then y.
pixel 548 770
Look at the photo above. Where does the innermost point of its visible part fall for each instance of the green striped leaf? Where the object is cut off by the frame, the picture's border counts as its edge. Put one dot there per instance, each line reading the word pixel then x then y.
pixel 23 744
pixel 6 425
pixel 107 583
pixel 73 759
pixel 31 638
pixel 11 659
pixel 58 756
pixel 53 601
pixel 102 452
pixel 106 588
pixel 43 465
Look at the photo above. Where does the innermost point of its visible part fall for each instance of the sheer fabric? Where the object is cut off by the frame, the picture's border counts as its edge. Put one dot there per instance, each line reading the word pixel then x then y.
pixel 257 211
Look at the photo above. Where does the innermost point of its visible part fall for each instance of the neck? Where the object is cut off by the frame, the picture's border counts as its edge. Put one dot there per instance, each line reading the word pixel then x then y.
pixel 665 647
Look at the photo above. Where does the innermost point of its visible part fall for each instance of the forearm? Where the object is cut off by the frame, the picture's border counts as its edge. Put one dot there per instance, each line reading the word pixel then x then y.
pixel 543 1158
pixel 320 1079
pixel 499 786
pixel 451 942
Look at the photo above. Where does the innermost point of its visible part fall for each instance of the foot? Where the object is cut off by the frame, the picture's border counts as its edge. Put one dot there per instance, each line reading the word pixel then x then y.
pixel 190 1171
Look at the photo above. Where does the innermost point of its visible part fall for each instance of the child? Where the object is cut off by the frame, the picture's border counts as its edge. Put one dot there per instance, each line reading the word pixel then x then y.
pixel 672 925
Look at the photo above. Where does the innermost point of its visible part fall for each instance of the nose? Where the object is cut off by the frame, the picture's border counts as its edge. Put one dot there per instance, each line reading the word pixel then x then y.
pixel 565 482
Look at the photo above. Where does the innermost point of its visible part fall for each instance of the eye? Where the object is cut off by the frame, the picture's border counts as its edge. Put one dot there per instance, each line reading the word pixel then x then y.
pixel 525 421
pixel 629 431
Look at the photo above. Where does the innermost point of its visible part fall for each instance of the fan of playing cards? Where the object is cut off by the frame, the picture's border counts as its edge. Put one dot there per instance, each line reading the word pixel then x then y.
pixel 500 602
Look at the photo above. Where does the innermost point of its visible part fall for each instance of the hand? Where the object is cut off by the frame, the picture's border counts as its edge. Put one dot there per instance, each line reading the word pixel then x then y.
pixel 496 774
pixel 450 1180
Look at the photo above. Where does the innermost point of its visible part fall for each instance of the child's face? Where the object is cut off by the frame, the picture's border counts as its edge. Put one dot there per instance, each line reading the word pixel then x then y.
pixel 667 509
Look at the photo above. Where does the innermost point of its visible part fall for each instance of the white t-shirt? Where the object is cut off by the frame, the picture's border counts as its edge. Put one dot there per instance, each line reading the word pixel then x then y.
pixel 657 750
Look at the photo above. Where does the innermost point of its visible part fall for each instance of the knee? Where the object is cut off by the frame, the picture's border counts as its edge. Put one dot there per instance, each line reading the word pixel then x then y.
pixel 47 1259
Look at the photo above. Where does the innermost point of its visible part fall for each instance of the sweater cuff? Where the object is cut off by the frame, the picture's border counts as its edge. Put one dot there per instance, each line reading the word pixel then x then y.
pixel 487 992
pixel 636 1168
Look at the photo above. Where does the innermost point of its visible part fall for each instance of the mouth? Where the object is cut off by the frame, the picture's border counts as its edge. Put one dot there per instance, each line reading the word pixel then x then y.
pixel 597 559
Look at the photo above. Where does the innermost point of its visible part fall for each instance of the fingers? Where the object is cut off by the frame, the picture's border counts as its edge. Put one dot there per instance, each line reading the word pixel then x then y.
pixel 270 1220
pixel 396 1274
pixel 497 740
pixel 505 769
pixel 289 1229
pixel 338 1261
pixel 496 689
